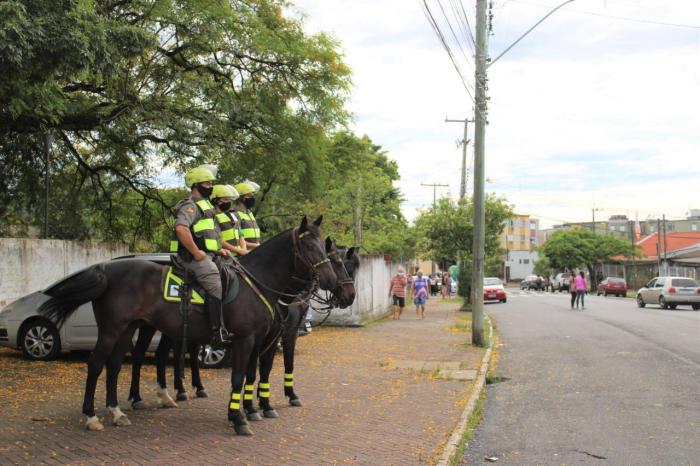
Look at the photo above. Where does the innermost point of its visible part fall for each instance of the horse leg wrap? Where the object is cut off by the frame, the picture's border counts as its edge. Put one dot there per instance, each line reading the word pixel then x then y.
pixel 164 398
pixel 118 417
pixel 93 423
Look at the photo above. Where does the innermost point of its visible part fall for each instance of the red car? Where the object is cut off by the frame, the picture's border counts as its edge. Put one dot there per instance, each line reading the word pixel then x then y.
pixel 493 290
pixel 613 285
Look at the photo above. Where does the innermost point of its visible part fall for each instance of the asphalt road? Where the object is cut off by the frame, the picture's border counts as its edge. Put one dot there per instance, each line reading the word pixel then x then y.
pixel 608 385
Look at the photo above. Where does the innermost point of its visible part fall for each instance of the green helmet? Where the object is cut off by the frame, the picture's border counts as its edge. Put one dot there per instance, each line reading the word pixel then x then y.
pixel 247 187
pixel 199 175
pixel 224 190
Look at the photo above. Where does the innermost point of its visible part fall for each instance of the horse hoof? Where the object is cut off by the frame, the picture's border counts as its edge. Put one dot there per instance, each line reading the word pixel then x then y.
pixel 202 394
pixel 168 403
pixel 182 396
pixel 94 424
pixel 138 405
pixel 271 414
pixel 254 416
pixel 296 402
pixel 242 429
pixel 122 421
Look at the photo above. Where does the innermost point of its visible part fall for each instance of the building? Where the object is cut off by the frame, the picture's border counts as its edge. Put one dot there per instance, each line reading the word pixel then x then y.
pixel 520 237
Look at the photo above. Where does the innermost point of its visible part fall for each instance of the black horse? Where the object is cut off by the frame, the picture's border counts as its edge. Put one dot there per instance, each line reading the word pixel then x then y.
pixel 126 295
pixel 343 295
pixel 302 290
pixel 297 311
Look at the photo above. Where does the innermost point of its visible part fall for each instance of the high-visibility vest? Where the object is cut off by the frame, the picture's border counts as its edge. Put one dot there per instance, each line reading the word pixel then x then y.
pixel 229 232
pixel 205 231
pixel 249 227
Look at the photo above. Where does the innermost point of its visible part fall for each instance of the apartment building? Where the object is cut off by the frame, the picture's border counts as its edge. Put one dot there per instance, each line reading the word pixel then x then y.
pixel 519 239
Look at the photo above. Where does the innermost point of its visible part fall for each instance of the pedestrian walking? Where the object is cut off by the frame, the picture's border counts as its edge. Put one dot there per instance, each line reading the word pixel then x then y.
pixel 572 288
pixel 446 282
pixel 397 292
pixel 420 294
pixel 581 287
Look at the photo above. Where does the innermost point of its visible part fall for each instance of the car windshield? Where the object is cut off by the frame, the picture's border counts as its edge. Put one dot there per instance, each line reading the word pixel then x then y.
pixel 491 281
pixel 684 282
pixel 616 280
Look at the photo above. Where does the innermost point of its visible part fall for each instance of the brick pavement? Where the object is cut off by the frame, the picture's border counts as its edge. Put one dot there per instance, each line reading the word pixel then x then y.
pixel 359 408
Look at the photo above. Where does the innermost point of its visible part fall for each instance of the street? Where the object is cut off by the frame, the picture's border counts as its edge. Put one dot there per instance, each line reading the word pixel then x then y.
pixel 611 384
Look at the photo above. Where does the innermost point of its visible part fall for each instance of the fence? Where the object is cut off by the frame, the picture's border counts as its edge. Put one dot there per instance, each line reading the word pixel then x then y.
pixel 372 294
pixel 32 264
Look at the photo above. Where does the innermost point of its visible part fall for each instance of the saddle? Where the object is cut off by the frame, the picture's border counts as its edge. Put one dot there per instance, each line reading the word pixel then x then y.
pixel 174 277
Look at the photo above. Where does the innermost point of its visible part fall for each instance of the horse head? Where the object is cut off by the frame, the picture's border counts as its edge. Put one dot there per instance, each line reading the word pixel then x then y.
pixel 312 253
pixel 344 291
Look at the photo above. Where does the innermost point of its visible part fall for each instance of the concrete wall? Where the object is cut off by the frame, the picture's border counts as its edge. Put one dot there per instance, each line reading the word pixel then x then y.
pixel 28 265
pixel 521 263
pixel 372 299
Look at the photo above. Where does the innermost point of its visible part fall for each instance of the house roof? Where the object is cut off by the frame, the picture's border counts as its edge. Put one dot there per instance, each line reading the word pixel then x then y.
pixel 674 241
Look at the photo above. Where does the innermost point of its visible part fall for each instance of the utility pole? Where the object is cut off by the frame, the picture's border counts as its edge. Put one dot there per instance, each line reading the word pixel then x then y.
pixel 435 187
pixel 478 246
pixel 594 210
pixel 464 142
pixel 665 246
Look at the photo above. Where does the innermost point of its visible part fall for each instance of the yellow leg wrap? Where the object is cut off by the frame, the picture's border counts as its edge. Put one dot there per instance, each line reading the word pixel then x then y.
pixel 264 394
pixel 234 405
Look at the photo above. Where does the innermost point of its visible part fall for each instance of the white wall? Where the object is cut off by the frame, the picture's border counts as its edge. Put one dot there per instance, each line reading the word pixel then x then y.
pixel 372 294
pixel 519 269
pixel 28 265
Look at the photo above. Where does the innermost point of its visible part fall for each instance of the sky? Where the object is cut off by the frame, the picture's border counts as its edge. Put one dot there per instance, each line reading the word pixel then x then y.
pixel 587 111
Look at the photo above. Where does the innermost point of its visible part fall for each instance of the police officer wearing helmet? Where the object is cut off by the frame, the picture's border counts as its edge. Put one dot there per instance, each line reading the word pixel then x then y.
pixel 242 210
pixel 222 197
pixel 197 239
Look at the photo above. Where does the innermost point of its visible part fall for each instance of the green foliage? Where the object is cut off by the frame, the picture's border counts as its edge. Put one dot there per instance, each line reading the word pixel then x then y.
pixel 571 249
pixel 543 267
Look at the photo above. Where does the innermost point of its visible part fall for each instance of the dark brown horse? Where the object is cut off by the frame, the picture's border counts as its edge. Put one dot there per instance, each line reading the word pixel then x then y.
pixel 301 291
pixel 126 295
pixel 297 312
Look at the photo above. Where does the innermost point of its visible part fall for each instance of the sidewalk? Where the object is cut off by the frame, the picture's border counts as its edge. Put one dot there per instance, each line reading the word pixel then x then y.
pixel 384 394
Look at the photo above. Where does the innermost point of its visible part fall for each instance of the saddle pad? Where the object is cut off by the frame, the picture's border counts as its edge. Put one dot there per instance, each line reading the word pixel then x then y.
pixel 171 289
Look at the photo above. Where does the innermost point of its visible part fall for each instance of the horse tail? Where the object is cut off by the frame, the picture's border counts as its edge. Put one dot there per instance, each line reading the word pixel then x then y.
pixel 71 293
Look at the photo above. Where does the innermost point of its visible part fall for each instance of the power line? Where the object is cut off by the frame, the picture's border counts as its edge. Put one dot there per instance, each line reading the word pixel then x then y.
pixel 616 17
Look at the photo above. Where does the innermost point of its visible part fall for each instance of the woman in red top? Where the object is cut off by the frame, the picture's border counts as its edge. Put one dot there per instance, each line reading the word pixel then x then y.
pixel 397 292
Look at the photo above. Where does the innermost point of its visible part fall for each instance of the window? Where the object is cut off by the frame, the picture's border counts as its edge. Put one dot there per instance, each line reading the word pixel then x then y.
pixel 694 227
pixel 522 238
pixel 526 261
pixel 660 283
pixel 685 282
pixel 622 228
pixel 510 237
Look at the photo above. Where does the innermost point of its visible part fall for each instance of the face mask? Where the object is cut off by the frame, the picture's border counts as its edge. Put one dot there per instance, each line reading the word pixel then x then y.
pixel 249 202
pixel 205 192
pixel 224 206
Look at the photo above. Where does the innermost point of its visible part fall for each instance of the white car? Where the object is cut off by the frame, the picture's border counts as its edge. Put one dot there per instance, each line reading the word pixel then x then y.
pixel 670 292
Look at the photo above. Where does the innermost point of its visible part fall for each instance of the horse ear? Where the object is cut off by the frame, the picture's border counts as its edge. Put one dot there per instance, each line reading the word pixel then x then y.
pixel 329 244
pixel 304 225
pixel 350 252
pixel 318 221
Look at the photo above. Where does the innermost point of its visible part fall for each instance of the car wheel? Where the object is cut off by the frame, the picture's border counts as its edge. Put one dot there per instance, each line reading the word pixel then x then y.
pixel 640 301
pixel 672 306
pixel 40 341
pixel 212 358
pixel 662 303
pixel 505 300
pixel 696 307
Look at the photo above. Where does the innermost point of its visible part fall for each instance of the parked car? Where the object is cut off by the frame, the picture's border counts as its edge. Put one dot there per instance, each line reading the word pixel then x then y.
pixel 670 292
pixel 532 282
pixel 453 287
pixel 561 282
pixel 22 328
pixel 493 290
pixel 613 285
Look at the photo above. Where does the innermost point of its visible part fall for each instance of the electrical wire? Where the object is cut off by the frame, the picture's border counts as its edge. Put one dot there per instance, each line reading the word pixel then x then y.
pixel 616 17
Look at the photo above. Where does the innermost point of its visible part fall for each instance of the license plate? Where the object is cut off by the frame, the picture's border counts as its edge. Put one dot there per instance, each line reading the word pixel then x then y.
pixel 492 296
pixel 687 291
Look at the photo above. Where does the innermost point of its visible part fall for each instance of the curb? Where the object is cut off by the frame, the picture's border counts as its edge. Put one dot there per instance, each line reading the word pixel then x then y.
pixel 456 437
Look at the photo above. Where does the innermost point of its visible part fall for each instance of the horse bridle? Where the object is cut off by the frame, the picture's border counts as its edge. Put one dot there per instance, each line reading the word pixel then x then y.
pixel 299 255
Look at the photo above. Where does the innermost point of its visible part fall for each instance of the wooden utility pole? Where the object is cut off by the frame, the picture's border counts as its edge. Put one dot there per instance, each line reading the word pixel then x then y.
pixel 464 142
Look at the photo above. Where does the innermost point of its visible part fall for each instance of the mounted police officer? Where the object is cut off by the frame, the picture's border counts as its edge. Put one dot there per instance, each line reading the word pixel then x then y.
pixel 197 239
pixel 242 210
pixel 222 197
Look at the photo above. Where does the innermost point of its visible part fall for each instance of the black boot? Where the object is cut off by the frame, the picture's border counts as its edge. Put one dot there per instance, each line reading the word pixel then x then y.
pixel 219 335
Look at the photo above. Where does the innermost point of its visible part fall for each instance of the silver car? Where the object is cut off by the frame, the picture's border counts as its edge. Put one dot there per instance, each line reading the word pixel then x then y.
pixel 670 292
pixel 22 328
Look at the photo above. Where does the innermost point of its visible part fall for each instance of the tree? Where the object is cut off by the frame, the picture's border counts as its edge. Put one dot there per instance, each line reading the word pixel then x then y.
pixel 130 87
pixel 445 233
pixel 571 249
pixel 543 267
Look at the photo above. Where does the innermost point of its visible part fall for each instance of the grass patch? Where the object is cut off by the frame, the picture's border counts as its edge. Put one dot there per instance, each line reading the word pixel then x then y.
pixel 472 423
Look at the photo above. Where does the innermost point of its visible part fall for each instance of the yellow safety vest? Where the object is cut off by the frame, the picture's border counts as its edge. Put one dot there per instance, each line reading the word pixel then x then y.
pixel 204 231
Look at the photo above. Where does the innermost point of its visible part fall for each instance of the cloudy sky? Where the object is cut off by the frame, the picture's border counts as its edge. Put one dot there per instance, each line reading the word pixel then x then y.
pixel 588 110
